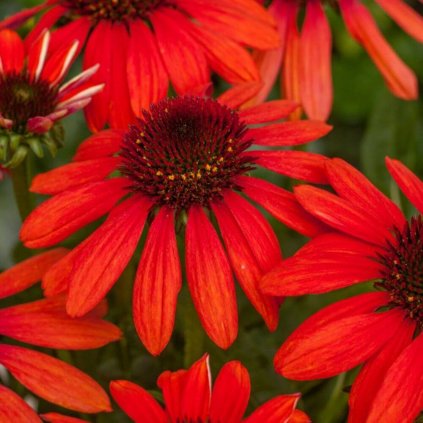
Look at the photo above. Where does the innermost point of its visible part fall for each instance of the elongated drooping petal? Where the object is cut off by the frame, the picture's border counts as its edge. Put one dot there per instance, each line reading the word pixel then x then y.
pixel 210 279
pixel 316 54
pixel 157 284
pixel 398 76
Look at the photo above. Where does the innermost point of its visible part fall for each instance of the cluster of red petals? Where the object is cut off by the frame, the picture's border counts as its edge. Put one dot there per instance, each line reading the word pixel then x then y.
pixel 37 62
pixel 365 328
pixel 176 41
pixel 83 192
pixel 305 56
pixel 45 323
pixel 189 397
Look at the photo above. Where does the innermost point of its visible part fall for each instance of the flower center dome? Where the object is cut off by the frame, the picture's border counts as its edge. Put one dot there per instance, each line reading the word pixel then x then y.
pixel 185 151
pixel 114 10
pixel 22 98
pixel 403 273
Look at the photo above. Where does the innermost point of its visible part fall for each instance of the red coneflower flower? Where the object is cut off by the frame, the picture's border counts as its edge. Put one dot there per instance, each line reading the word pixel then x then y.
pixel 32 99
pixel 147 43
pixel 305 56
pixel 188 397
pixel 184 156
pixel 45 323
pixel 372 241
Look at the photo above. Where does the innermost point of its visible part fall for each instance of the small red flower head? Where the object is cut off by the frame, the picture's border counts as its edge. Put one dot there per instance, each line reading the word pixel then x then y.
pixel 186 159
pixel 189 397
pixel 371 240
pixel 145 45
pixel 32 99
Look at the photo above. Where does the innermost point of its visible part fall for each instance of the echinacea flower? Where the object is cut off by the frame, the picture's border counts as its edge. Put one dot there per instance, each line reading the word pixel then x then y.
pixel 189 397
pixel 32 98
pixel 142 45
pixel 305 55
pixel 185 159
pixel 44 323
pixel 371 241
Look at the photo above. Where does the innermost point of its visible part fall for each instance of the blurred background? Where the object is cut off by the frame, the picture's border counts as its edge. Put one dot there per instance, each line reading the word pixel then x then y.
pixel 369 124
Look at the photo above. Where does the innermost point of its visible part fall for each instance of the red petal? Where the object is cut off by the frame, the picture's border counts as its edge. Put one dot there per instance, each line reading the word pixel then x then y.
pixel 196 396
pixel 46 324
pixel 291 70
pixel 210 279
pixel 157 284
pixel 73 175
pixel 11 52
pixel 410 184
pixel 342 215
pixel 327 262
pixel 37 54
pixel 231 393
pixel 398 76
pixel 371 376
pixel 316 53
pixel 120 111
pixel 289 133
pixel 60 418
pixel 299 416
pixel 54 380
pixel 226 57
pixel 236 96
pixel 136 402
pixel 147 77
pixel 246 23
pixel 172 384
pixel 406 17
pixel 268 112
pixel 28 272
pixel 97 111
pixel 60 216
pixel 295 164
pixel 269 61
pixel 182 56
pixel 103 144
pixel 277 410
pixel 14 409
pixel 404 376
pixel 282 205
pixel 324 347
pixel 19 18
pixel 103 256
pixel 247 267
pixel 352 185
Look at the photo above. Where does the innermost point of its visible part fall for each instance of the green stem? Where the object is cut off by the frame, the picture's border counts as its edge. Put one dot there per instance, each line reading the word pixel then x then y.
pixel 193 333
pixel 21 179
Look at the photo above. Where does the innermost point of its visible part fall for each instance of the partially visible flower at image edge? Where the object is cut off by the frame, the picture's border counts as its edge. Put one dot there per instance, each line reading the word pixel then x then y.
pixel 45 323
pixel 188 397
pixel 32 98
pixel 185 159
pixel 146 44
pixel 305 55
pixel 371 241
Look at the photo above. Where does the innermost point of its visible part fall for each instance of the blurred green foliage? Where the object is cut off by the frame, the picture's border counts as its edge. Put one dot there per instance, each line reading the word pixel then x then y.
pixel 369 124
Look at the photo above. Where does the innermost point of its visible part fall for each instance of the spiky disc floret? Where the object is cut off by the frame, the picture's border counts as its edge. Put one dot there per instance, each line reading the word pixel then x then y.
pixel 23 97
pixel 403 269
pixel 115 10
pixel 185 151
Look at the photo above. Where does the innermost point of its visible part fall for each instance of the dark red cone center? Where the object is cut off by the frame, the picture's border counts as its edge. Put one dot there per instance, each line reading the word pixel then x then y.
pixel 22 98
pixel 115 10
pixel 185 151
pixel 403 274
